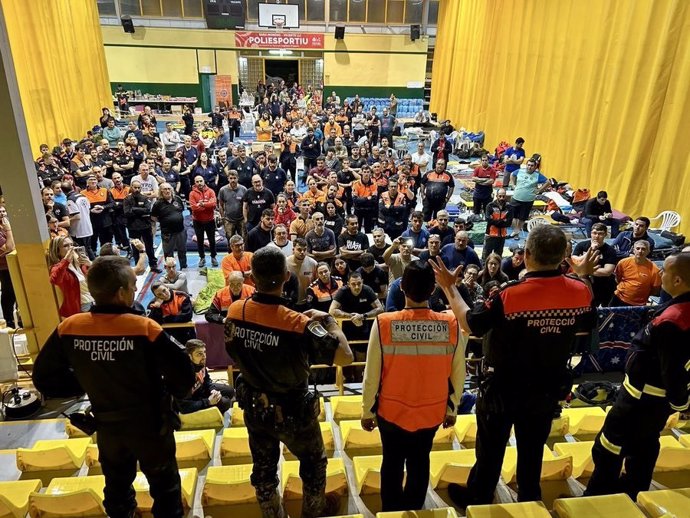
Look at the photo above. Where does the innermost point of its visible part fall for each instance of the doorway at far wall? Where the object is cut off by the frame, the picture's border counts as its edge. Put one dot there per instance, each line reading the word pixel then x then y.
pixel 285 69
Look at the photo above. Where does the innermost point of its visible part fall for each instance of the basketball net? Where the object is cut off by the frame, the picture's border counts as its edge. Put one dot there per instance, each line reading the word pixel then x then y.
pixel 279 24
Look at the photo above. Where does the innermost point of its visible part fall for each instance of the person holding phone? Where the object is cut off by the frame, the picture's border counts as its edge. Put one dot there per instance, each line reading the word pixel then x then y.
pixel 68 268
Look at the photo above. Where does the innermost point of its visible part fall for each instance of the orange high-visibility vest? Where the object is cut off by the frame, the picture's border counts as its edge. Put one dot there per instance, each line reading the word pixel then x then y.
pixel 417 348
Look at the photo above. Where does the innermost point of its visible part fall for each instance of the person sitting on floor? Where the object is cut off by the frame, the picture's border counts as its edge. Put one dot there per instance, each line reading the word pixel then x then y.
pixel 205 393
pixel 172 307
pixel 234 289
pixel 174 279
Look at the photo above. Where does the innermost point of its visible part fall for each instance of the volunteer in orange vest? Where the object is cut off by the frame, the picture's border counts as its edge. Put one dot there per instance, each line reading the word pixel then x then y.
pixel 413 382
pixel 102 204
pixel 234 289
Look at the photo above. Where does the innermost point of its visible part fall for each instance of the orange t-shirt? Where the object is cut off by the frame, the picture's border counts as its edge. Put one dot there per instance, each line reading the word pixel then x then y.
pixel 231 264
pixel 636 281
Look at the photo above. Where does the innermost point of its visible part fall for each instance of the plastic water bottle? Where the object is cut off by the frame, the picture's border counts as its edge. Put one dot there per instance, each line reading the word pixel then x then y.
pixel 21 346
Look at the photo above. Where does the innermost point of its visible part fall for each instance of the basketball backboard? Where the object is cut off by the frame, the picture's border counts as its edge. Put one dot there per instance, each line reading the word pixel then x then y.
pixel 278 16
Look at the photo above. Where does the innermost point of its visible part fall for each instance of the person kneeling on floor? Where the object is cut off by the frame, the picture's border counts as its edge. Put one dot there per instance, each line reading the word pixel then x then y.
pixel 205 393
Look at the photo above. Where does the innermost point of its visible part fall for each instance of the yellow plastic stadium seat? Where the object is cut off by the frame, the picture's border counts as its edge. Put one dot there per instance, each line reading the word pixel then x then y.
pixel 237 415
pixel 585 420
pixel 672 456
pixel 560 426
pixel 581 452
pixel 69 497
pixel 672 421
pixel 202 420
pixel 53 454
pixel 328 441
pixel 227 485
pixel 194 445
pixel 606 506
pixel 346 407
pixel 336 479
pixel 451 467
pixel 188 478
pixel 353 436
pixel 668 502
pixel 91 458
pixel 368 474
pixel 684 440
pixel 466 428
pixel 445 512
pixel 234 448
pixel 443 440
pixel 519 510
pixel 509 467
pixel 73 432
pixel 347 516
pixel 14 497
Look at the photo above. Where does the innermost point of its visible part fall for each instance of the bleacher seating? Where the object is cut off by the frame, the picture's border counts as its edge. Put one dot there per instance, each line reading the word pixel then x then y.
pixel 407 108
pixel 53 455
pixel 14 497
pixel 665 503
pixel 336 478
pixel 188 478
pixel 227 485
pixel 597 507
pixel 202 419
pixel 517 510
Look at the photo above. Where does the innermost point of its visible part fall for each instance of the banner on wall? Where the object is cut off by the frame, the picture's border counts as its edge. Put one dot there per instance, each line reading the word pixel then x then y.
pixel 279 40
pixel 223 90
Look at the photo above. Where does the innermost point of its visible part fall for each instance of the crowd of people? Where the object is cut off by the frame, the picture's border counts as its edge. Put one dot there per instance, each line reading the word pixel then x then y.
pixel 369 240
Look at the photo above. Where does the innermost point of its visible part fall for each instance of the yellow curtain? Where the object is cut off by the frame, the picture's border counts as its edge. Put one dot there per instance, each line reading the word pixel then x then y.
pixel 599 88
pixel 58 55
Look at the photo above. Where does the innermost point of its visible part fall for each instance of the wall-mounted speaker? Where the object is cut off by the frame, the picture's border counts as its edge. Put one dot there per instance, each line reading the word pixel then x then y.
pixel 127 23
pixel 340 32
pixel 415 32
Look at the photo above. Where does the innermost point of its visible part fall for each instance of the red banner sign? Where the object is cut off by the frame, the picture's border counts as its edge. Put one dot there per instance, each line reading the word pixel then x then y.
pixel 279 40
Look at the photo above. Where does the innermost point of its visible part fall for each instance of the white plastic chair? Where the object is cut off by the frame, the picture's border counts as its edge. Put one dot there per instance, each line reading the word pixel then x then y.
pixel 534 222
pixel 669 220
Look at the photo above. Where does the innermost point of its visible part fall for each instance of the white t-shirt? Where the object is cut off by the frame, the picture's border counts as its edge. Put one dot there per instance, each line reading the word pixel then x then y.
pixel 147 186
pixel 286 250
pixel 81 227
pixel 422 159
pixel 306 273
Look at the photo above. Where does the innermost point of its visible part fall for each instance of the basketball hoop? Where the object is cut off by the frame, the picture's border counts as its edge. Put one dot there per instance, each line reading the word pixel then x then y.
pixel 279 21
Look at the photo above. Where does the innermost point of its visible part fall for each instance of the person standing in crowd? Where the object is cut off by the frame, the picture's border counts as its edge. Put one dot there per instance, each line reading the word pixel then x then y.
pixel 603 281
pixel 281 240
pixel 68 268
pixel 413 382
pixel 137 209
pixel 513 159
pixel 499 218
pixel 625 241
pixel 442 229
pixel 230 204
pixel 483 176
pixel 656 385
pixel 303 268
pixel 526 184
pixel 393 210
pixel 527 347
pixel 202 203
pixel 245 166
pixel 79 210
pixel 320 292
pixel 101 203
pixel 637 277
pixel 365 199
pixel 436 189
pixel 171 140
pixel 273 176
pixel 321 242
pixel 168 211
pixel 8 299
pixel 459 253
pixel 441 149
pixel 133 411
pixel 397 262
pixel 311 150
pixel 272 388
pixel 260 235
pixel 119 192
pixel 417 233
pixel 238 260
pixel 255 201
pixel 352 243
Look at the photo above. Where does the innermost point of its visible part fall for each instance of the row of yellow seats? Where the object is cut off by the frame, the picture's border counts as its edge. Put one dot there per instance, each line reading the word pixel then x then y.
pixel 77 496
